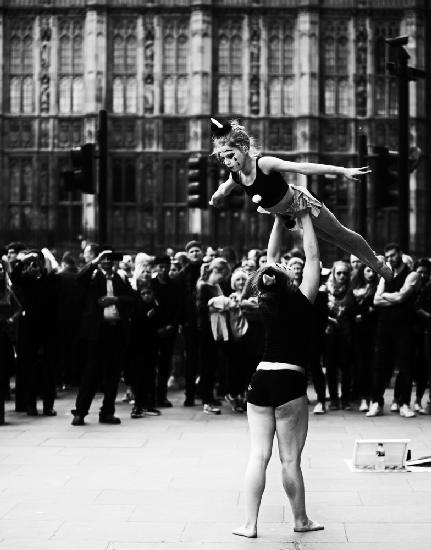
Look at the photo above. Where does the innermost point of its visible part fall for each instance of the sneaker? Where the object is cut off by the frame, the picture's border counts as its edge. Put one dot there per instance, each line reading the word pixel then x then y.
pixel 137 413
pixel 319 408
pixel 109 419
pixel 78 420
pixel 164 403
pixel 153 412
pixel 395 407
pixel 375 410
pixel 363 407
pixel 417 407
pixel 49 412
pixel 232 401
pixel 210 409
pixel 346 406
pixel 406 411
pixel 128 397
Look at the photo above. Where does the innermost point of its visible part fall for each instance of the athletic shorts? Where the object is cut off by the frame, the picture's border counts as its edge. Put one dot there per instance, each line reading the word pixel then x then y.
pixel 272 388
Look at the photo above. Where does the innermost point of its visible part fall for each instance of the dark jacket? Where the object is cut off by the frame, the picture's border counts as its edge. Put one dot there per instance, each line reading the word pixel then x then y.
pixel 93 282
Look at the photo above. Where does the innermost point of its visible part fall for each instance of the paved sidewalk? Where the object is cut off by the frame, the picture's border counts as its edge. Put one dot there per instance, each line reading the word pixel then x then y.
pixel 175 483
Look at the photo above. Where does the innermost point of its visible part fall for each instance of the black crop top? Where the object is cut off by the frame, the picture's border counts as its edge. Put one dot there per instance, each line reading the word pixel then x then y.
pixel 271 187
pixel 288 319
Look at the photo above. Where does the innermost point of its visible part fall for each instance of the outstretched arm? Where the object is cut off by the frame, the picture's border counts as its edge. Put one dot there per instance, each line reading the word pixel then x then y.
pixel 274 243
pixel 269 164
pixel 311 274
pixel 223 191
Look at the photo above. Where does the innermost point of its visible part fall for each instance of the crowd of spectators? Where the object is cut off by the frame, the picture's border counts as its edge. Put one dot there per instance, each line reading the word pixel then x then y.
pixel 190 319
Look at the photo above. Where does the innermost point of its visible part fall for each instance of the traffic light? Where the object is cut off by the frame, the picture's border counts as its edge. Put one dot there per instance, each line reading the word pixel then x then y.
pixel 385 174
pixel 197 181
pixel 82 175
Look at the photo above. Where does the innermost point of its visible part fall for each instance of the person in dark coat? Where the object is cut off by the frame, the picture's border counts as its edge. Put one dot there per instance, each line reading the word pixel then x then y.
pixel 105 328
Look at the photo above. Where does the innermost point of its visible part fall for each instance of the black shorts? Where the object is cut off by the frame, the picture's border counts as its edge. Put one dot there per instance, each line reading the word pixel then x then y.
pixel 272 388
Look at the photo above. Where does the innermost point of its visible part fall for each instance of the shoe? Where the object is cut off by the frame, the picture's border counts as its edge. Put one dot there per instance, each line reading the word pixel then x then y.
pixel 209 409
pixel 417 407
pixel 78 420
pixel 363 407
pixel 395 407
pixel 32 411
pixel 346 406
pixel 49 412
pixel 375 410
pixel 232 401
pixel 164 403
pixel 334 405
pixel 137 413
pixel 319 408
pixel 153 412
pixel 189 402
pixel 128 397
pixel 109 419
pixel 406 411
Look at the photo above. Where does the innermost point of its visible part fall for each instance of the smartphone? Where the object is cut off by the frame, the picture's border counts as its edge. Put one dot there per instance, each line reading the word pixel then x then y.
pixel 115 256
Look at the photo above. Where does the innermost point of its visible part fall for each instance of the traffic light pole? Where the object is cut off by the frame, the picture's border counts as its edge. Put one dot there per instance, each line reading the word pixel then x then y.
pixel 403 148
pixel 102 137
pixel 363 160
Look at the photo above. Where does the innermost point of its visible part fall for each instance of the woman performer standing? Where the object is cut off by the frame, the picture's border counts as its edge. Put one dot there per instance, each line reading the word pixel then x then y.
pixel 261 177
pixel 277 402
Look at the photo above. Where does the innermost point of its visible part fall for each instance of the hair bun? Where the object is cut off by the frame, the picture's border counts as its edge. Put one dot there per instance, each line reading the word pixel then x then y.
pixel 219 129
pixel 268 280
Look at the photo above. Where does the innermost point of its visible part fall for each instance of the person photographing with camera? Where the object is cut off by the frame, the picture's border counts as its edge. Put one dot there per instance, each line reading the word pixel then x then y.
pixel 108 299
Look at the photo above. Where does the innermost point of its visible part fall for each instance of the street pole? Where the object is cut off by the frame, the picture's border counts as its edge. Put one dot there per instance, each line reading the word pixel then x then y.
pixel 363 183
pixel 403 148
pixel 102 137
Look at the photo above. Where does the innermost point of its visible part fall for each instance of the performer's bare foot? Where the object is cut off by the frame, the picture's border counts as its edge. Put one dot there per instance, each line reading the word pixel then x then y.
pixel 244 531
pixel 385 271
pixel 309 526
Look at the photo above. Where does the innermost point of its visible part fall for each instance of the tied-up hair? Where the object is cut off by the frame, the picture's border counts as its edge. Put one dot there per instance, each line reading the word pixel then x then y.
pixel 232 133
pixel 268 282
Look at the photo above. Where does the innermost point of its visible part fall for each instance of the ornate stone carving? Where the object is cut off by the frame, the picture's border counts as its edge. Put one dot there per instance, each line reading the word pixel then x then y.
pixel 44 134
pixel 174 134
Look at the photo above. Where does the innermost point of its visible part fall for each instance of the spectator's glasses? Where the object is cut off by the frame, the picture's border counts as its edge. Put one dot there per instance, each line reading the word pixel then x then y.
pixel 341 273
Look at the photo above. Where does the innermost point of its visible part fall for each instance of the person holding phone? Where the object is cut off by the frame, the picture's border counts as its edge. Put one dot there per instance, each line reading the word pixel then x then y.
pixel 104 329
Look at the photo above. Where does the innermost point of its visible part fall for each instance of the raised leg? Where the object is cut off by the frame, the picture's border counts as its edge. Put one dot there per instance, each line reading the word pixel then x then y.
pixel 351 242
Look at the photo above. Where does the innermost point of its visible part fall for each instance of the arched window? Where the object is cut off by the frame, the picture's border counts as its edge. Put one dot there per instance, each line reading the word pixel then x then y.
pixel 288 97
pixel 78 95
pixel 169 96
pixel 275 96
pixel 182 96
pixel 343 97
pixel 237 95
pixel 27 182
pixel 342 56
pixel 65 55
pixel 117 96
pixel 64 96
pixel 27 92
pixel 288 55
pixel 131 96
pixel 329 55
pixel 27 60
pixel 118 53
pixel 77 54
pixel 330 97
pixel 223 96
pixel 15 95
pixel 15 55
pixel 236 54
pixel 223 55
pixel 169 54
pixel 183 53
pixel 274 55
pixel 131 54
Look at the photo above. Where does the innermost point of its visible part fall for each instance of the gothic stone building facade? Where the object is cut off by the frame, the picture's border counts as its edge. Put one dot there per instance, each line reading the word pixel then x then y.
pixel 305 76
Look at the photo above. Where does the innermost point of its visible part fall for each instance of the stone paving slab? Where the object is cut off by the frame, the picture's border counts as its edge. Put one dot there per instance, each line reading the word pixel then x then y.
pixel 176 483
